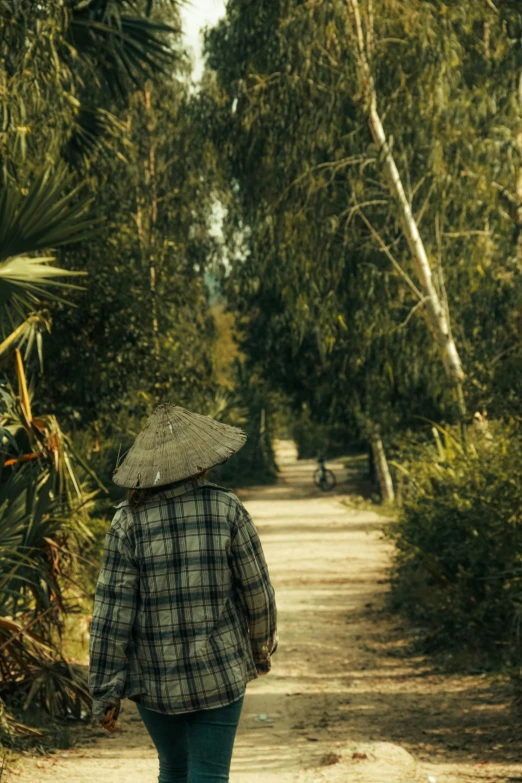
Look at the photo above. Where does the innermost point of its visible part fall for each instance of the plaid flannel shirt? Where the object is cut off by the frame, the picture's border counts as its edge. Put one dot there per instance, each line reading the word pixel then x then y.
pixel 184 612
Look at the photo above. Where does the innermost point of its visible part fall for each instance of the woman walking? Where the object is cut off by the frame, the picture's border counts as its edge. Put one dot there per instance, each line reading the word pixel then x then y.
pixel 184 613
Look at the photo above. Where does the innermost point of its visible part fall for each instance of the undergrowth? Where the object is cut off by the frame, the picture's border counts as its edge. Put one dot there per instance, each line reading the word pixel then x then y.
pixel 457 571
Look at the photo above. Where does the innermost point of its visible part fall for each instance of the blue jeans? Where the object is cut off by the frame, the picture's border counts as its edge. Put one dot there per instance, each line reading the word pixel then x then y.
pixel 194 747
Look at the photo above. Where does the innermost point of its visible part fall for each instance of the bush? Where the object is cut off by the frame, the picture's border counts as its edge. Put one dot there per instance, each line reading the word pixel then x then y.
pixel 458 562
pixel 254 464
pixel 314 438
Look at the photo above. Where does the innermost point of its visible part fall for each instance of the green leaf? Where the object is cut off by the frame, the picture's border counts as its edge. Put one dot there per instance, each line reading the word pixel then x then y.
pixel 122 49
pixel 42 217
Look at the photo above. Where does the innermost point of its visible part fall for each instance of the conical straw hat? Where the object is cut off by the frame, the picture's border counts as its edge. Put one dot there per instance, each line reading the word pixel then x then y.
pixel 175 444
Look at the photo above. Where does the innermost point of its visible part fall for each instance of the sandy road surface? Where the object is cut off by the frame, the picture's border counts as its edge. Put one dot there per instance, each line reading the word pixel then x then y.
pixel 343 703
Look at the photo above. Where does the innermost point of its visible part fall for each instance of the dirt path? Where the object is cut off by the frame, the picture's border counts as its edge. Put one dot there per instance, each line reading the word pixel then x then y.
pixel 343 703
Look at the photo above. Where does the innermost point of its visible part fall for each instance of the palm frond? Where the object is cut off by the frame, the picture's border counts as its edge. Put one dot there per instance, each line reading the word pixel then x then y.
pixel 14 634
pixel 41 217
pixel 24 435
pixel 26 334
pixel 43 499
pixel 29 667
pixel 60 688
pixel 91 129
pixel 10 728
pixel 122 49
pixel 25 281
pixel 25 500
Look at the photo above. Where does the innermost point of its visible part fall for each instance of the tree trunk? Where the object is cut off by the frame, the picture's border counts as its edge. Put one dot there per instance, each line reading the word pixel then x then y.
pixel 372 472
pixel 436 315
pixel 519 178
pixel 383 471
pixel 150 178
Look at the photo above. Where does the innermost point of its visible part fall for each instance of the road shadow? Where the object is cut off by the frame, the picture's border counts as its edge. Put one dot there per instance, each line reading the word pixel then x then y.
pixel 296 481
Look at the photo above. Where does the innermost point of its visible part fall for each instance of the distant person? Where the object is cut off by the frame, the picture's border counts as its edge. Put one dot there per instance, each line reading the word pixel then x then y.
pixel 184 613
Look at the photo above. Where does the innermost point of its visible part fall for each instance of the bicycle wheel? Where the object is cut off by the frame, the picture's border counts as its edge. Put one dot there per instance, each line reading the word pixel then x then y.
pixel 328 481
pixel 324 481
pixel 317 478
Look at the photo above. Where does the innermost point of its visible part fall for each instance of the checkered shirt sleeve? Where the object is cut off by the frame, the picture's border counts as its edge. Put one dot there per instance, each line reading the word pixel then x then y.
pixel 114 610
pixel 255 588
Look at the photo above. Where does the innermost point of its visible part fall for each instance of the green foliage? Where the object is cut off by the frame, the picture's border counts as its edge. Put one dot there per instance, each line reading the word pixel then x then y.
pixel 39 216
pixel 254 407
pixel 45 495
pixel 458 560
pixel 143 327
pixel 311 437
pixel 122 47
pixel 57 65
pixel 314 437
pixel 33 219
pixel 57 61
pixel 325 315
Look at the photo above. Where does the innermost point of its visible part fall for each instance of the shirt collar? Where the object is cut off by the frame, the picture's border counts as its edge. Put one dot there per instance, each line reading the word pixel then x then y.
pixel 181 487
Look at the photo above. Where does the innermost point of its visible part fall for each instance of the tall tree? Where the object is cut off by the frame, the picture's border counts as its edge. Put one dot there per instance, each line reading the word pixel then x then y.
pixel 142 327
pixel 317 219
pixel 48 55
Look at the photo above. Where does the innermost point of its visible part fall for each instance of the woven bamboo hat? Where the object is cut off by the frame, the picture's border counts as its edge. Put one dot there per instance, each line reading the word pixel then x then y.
pixel 175 444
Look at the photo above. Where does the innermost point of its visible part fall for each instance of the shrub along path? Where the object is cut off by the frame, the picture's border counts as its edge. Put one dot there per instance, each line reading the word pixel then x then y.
pixel 343 702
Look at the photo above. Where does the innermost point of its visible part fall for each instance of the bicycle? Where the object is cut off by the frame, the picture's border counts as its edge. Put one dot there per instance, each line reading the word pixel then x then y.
pixel 324 479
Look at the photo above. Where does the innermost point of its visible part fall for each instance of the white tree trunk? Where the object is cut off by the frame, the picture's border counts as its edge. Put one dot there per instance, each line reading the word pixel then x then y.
pixel 436 315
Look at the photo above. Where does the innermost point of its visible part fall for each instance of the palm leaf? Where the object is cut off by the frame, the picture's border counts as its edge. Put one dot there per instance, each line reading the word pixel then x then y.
pixel 31 518
pixel 27 333
pixel 57 686
pixel 29 667
pixel 30 221
pixel 15 634
pixel 42 217
pixel 120 48
pixel 9 727
pixel 89 133
pixel 44 436
pixel 24 281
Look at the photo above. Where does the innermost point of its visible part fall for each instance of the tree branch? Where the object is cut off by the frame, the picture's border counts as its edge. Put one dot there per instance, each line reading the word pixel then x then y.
pixel 398 268
pixel 412 312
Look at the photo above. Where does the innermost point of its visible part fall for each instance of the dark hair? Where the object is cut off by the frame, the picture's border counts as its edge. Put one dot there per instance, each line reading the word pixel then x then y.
pixel 136 497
